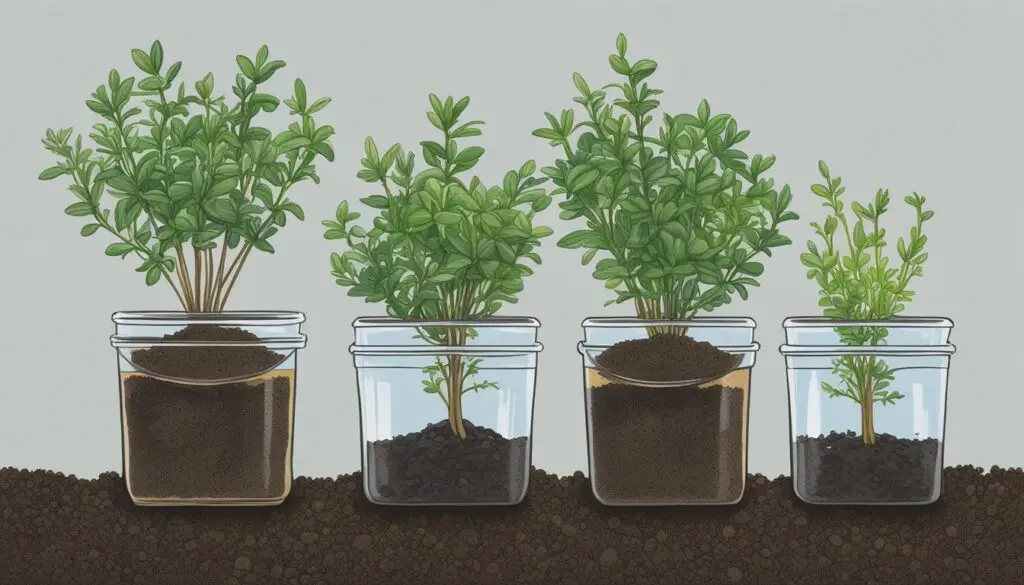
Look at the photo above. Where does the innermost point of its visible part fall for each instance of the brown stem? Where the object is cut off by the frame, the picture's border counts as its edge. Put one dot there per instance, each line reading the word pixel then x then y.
pixel 867 407
pixel 236 267
pixel 197 256
pixel 208 292
pixel 174 287
pixel 218 286
pixel 186 282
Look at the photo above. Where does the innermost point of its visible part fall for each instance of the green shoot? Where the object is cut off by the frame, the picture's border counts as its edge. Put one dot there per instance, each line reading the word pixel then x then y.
pixel 442 248
pixel 862 285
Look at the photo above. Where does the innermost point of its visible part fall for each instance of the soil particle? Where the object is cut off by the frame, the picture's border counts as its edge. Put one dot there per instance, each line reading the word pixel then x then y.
pixel 840 468
pixel 58 531
pixel 436 466
pixel 665 357
pixel 208 441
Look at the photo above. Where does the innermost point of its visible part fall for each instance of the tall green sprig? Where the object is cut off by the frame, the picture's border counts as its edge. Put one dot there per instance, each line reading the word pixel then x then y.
pixel 680 214
pixel 442 248
pixel 862 285
pixel 187 170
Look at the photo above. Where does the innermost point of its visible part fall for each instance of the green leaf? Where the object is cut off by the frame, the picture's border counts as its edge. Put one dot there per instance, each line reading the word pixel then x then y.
pixel 376 201
pixel 119 249
pixel 222 187
pixel 156 55
pixel 246 67
pixel 143 62
pixel 89 229
pixel 53 173
pixel 80 209
pixel 153 276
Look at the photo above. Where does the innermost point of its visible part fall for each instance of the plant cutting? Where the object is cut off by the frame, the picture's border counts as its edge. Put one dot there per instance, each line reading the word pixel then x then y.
pixel 863 291
pixel 188 184
pixel 681 218
pixel 444 253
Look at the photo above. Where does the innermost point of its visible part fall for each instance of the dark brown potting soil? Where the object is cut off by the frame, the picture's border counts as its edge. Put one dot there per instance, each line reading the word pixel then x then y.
pixel 207 362
pixel 840 468
pixel 60 530
pixel 667 444
pixel 666 357
pixel 437 466
pixel 227 440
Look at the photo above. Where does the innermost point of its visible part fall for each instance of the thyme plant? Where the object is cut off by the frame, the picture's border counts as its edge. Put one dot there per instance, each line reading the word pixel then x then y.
pixel 862 285
pixel 678 212
pixel 192 175
pixel 443 246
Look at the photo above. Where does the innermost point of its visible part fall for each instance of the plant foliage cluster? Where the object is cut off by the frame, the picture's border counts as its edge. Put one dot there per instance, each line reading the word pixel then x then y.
pixel 679 213
pixel 862 284
pixel 443 246
pixel 190 170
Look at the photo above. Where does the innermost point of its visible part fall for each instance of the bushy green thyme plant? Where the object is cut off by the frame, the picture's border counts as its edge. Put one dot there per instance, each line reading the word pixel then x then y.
pixel 862 285
pixel 443 248
pixel 680 214
pixel 188 170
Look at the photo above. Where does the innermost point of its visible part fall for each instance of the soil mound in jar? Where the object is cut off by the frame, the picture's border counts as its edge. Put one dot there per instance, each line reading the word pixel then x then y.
pixel 666 357
pixel 436 466
pixel 667 444
pixel 208 362
pixel 64 530
pixel 229 440
pixel 841 468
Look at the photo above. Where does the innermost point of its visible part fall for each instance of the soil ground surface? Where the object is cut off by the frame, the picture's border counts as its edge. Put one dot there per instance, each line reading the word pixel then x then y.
pixel 63 530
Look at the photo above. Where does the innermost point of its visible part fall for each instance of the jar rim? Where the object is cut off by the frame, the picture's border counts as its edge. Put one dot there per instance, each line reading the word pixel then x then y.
pixel 226 318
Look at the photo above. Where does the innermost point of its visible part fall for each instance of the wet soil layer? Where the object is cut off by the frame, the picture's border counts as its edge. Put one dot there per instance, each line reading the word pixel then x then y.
pixel 62 530
pixel 436 466
pixel 208 441
pixel 676 444
pixel 667 444
pixel 841 468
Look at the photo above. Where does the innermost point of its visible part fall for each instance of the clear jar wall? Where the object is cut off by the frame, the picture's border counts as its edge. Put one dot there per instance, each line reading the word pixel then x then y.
pixel 411 455
pixel 208 417
pixel 685 445
pixel 854 442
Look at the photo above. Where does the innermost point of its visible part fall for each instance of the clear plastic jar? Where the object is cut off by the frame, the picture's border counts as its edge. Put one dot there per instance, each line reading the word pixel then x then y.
pixel 652 443
pixel 446 409
pixel 867 408
pixel 207 406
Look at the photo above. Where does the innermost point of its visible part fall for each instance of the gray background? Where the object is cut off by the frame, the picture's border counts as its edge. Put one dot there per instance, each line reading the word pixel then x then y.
pixel 910 95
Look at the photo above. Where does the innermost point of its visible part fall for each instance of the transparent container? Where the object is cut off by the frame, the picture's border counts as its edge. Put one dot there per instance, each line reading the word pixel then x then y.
pixel 207 406
pixel 848 449
pixel 654 444
pixel 421 447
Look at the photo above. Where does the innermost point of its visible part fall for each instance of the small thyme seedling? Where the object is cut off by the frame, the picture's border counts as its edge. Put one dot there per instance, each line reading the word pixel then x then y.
pixel 211 180
pixel 862 286
pixel 681 215
pixel 441 248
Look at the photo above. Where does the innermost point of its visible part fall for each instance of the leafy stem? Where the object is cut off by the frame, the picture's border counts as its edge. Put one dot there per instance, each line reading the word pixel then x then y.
pixel 441 248
pixel 861 285
pixel 182 179
pixel 680 216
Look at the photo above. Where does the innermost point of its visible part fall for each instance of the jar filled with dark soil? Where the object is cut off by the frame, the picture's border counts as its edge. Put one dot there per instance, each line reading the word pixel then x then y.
pixel 207 409
pixel 480 453
pixel 667 413
pixel 867 422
